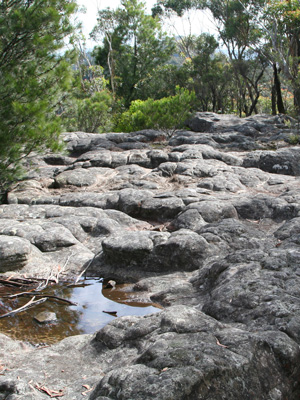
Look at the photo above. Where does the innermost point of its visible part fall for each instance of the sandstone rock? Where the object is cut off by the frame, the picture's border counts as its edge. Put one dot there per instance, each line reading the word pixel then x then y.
pixel 284 161
pixel 198 223
pixel 129 247
pixel 198 124
pixel 14 253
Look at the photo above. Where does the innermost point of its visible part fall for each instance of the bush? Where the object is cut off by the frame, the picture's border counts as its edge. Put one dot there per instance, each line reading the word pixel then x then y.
pixel 294 139
pixel 167 114
pixel 91 114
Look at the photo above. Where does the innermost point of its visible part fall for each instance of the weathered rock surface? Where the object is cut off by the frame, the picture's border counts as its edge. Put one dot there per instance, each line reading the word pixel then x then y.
pixel 201 224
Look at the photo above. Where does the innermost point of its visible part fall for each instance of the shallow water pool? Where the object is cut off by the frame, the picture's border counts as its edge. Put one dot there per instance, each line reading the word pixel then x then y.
pixel 94 303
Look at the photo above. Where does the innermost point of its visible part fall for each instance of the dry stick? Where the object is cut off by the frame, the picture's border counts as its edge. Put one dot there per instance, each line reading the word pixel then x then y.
pixel 41 295
pixel 28 305
pixel 12 296
pixel 54 278
pixel 25 281
pixel 43 285
pixel 88 266
pixel 63 268
pixel 11 283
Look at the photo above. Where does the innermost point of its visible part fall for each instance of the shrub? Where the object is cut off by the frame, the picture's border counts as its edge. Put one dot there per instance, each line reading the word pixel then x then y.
pixel 167 114
pixel 294 139
pixel 90 114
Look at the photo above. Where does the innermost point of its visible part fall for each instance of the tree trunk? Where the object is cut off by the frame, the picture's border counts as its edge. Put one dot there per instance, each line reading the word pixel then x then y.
pixel 277 84
pixel 273 100
pixel 297 100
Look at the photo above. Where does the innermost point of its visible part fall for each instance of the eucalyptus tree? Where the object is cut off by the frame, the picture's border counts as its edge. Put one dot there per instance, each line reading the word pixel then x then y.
pixel 133 45
pixel 270 28
pixel 280 25
pixel 33 78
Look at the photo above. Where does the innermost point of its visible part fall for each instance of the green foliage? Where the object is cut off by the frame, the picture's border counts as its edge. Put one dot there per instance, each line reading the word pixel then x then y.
pixel 33 78
pixel 90 114
pixel 179 6
pixel 282 31
pixel 89 104
pixel 133 46
pixel 166 114
pixel 163 80
pixel 294 139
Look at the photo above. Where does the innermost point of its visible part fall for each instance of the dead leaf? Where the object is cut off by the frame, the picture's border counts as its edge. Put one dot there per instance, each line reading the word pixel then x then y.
pixel 221 345
pixel 50 392
pixel 89 389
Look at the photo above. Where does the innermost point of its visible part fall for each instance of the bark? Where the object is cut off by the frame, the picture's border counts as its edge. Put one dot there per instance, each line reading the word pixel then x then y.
pixel 297 100
pixel 273 100
pixel 277 85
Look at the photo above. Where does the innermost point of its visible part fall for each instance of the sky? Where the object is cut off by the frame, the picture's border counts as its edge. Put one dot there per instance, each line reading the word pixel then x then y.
pixel 196 22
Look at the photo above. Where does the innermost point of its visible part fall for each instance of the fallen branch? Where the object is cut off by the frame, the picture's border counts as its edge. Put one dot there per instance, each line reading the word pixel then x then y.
pixel 13 296
pixel 11 283
pixel 26 306
pixel 18 282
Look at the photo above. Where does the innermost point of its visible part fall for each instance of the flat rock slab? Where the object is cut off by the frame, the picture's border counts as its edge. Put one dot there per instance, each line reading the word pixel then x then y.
pixel 205 224
pixel 45 317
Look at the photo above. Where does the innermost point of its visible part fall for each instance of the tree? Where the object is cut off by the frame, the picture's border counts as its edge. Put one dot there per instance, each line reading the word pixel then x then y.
pixel 33 78
pixel 88 106
pixel 209 73
pixel 179 6
pixel 281 27
pixel 134 45
pixel 236 29
pixel 163 80
pixel 276 26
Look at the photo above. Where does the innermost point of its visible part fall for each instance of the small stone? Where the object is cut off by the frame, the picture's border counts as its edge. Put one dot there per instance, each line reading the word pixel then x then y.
pixel 110 285
pixel 46 317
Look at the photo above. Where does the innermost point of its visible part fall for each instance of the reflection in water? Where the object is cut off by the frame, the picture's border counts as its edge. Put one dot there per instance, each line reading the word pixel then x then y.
pixel 87 317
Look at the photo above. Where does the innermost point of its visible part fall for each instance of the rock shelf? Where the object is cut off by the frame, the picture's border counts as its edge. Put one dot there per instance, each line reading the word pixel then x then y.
pixel 205 223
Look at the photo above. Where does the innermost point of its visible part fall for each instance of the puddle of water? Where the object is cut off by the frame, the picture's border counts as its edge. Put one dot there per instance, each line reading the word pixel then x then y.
pixel 87 316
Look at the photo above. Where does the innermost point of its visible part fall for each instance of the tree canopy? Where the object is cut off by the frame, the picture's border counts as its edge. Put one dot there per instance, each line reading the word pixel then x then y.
pixel 137 64
pixel 133 46
pixel 267 30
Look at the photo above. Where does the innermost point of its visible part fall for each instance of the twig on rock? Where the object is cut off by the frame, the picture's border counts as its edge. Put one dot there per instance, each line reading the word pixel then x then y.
pixel 60 270
pixel 50 392
pixel 88 266
pixel 221 345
